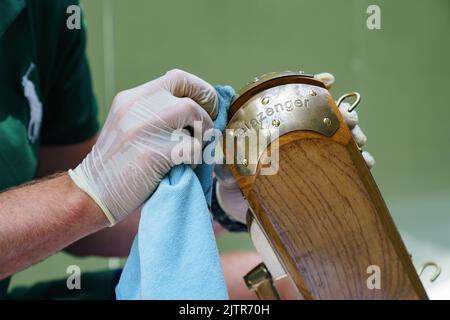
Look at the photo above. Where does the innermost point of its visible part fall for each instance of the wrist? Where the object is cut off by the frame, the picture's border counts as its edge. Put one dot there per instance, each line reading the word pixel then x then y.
pixel 232 202
pixel 221 216
pixel 79 180
pixel 82 205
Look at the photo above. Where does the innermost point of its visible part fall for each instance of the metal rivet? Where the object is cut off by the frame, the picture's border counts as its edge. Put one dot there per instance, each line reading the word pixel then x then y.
pixel 265 101
pixel 312 93
pixel 327 121
pixel 245 163
pixel 276 123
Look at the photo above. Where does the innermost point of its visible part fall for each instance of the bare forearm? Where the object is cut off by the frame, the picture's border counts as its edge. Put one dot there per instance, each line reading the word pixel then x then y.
pixel 109 242
pixel 40 219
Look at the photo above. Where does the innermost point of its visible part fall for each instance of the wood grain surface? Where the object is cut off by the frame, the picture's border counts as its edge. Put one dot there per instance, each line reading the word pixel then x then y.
pixel 328 222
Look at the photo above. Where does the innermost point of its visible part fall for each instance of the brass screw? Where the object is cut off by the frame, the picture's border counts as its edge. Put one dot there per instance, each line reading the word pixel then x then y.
pixel 327 121
pixel 245 163
pixel 265 101
pixel 312 93
pixel 276 123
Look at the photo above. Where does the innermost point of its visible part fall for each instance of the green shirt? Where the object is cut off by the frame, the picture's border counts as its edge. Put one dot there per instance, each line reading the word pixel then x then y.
pixel 59 107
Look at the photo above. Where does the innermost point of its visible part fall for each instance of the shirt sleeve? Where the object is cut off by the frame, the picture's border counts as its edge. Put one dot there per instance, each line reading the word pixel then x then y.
pixel 70 108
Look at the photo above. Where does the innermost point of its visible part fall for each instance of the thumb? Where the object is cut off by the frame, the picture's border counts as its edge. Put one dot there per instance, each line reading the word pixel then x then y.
pixel 183 84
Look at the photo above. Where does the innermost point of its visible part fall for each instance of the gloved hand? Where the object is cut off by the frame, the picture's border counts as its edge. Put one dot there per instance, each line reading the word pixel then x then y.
pixel 134 150
pixel 228 194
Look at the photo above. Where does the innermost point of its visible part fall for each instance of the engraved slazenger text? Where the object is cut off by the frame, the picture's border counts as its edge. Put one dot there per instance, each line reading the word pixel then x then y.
pixel 271 110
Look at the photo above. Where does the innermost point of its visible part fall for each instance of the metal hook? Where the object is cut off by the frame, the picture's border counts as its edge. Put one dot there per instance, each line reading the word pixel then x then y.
pixel 437 272
pixel 347 95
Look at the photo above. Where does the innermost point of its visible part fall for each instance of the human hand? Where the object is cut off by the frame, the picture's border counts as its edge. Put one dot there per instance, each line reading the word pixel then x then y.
pixel 135 147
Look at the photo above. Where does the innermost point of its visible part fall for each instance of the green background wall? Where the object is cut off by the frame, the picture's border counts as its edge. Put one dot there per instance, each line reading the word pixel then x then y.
pixel 401 71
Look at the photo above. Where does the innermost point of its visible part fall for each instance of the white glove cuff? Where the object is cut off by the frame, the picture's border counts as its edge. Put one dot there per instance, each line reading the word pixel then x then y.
pixel 81 183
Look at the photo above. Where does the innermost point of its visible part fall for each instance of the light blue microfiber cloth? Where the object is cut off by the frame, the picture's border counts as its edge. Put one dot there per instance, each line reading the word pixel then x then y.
pixel 174 255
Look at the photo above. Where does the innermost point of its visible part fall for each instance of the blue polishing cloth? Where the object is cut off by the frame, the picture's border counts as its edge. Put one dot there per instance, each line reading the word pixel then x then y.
pixel 174 255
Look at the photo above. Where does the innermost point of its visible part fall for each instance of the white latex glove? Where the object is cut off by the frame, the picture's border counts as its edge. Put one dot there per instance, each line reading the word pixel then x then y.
pixel 228 193
pixel 134 150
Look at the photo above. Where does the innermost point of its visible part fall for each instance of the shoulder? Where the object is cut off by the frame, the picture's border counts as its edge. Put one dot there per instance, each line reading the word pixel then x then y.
pixel 51 15
pixel 55 43
pixel 51 8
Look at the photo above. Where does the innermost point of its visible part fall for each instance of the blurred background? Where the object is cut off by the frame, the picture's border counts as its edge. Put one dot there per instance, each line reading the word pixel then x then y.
pixel 402 72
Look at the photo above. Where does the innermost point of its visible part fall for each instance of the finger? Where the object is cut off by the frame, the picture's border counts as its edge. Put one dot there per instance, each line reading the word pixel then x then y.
pixel 326 78
pixel 359 136
pixel 182 84
pixel 190 114
pixel 370 161
pixel 350 118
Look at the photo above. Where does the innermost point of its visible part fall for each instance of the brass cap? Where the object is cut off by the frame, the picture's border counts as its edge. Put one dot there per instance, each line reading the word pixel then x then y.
pixel 268 81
